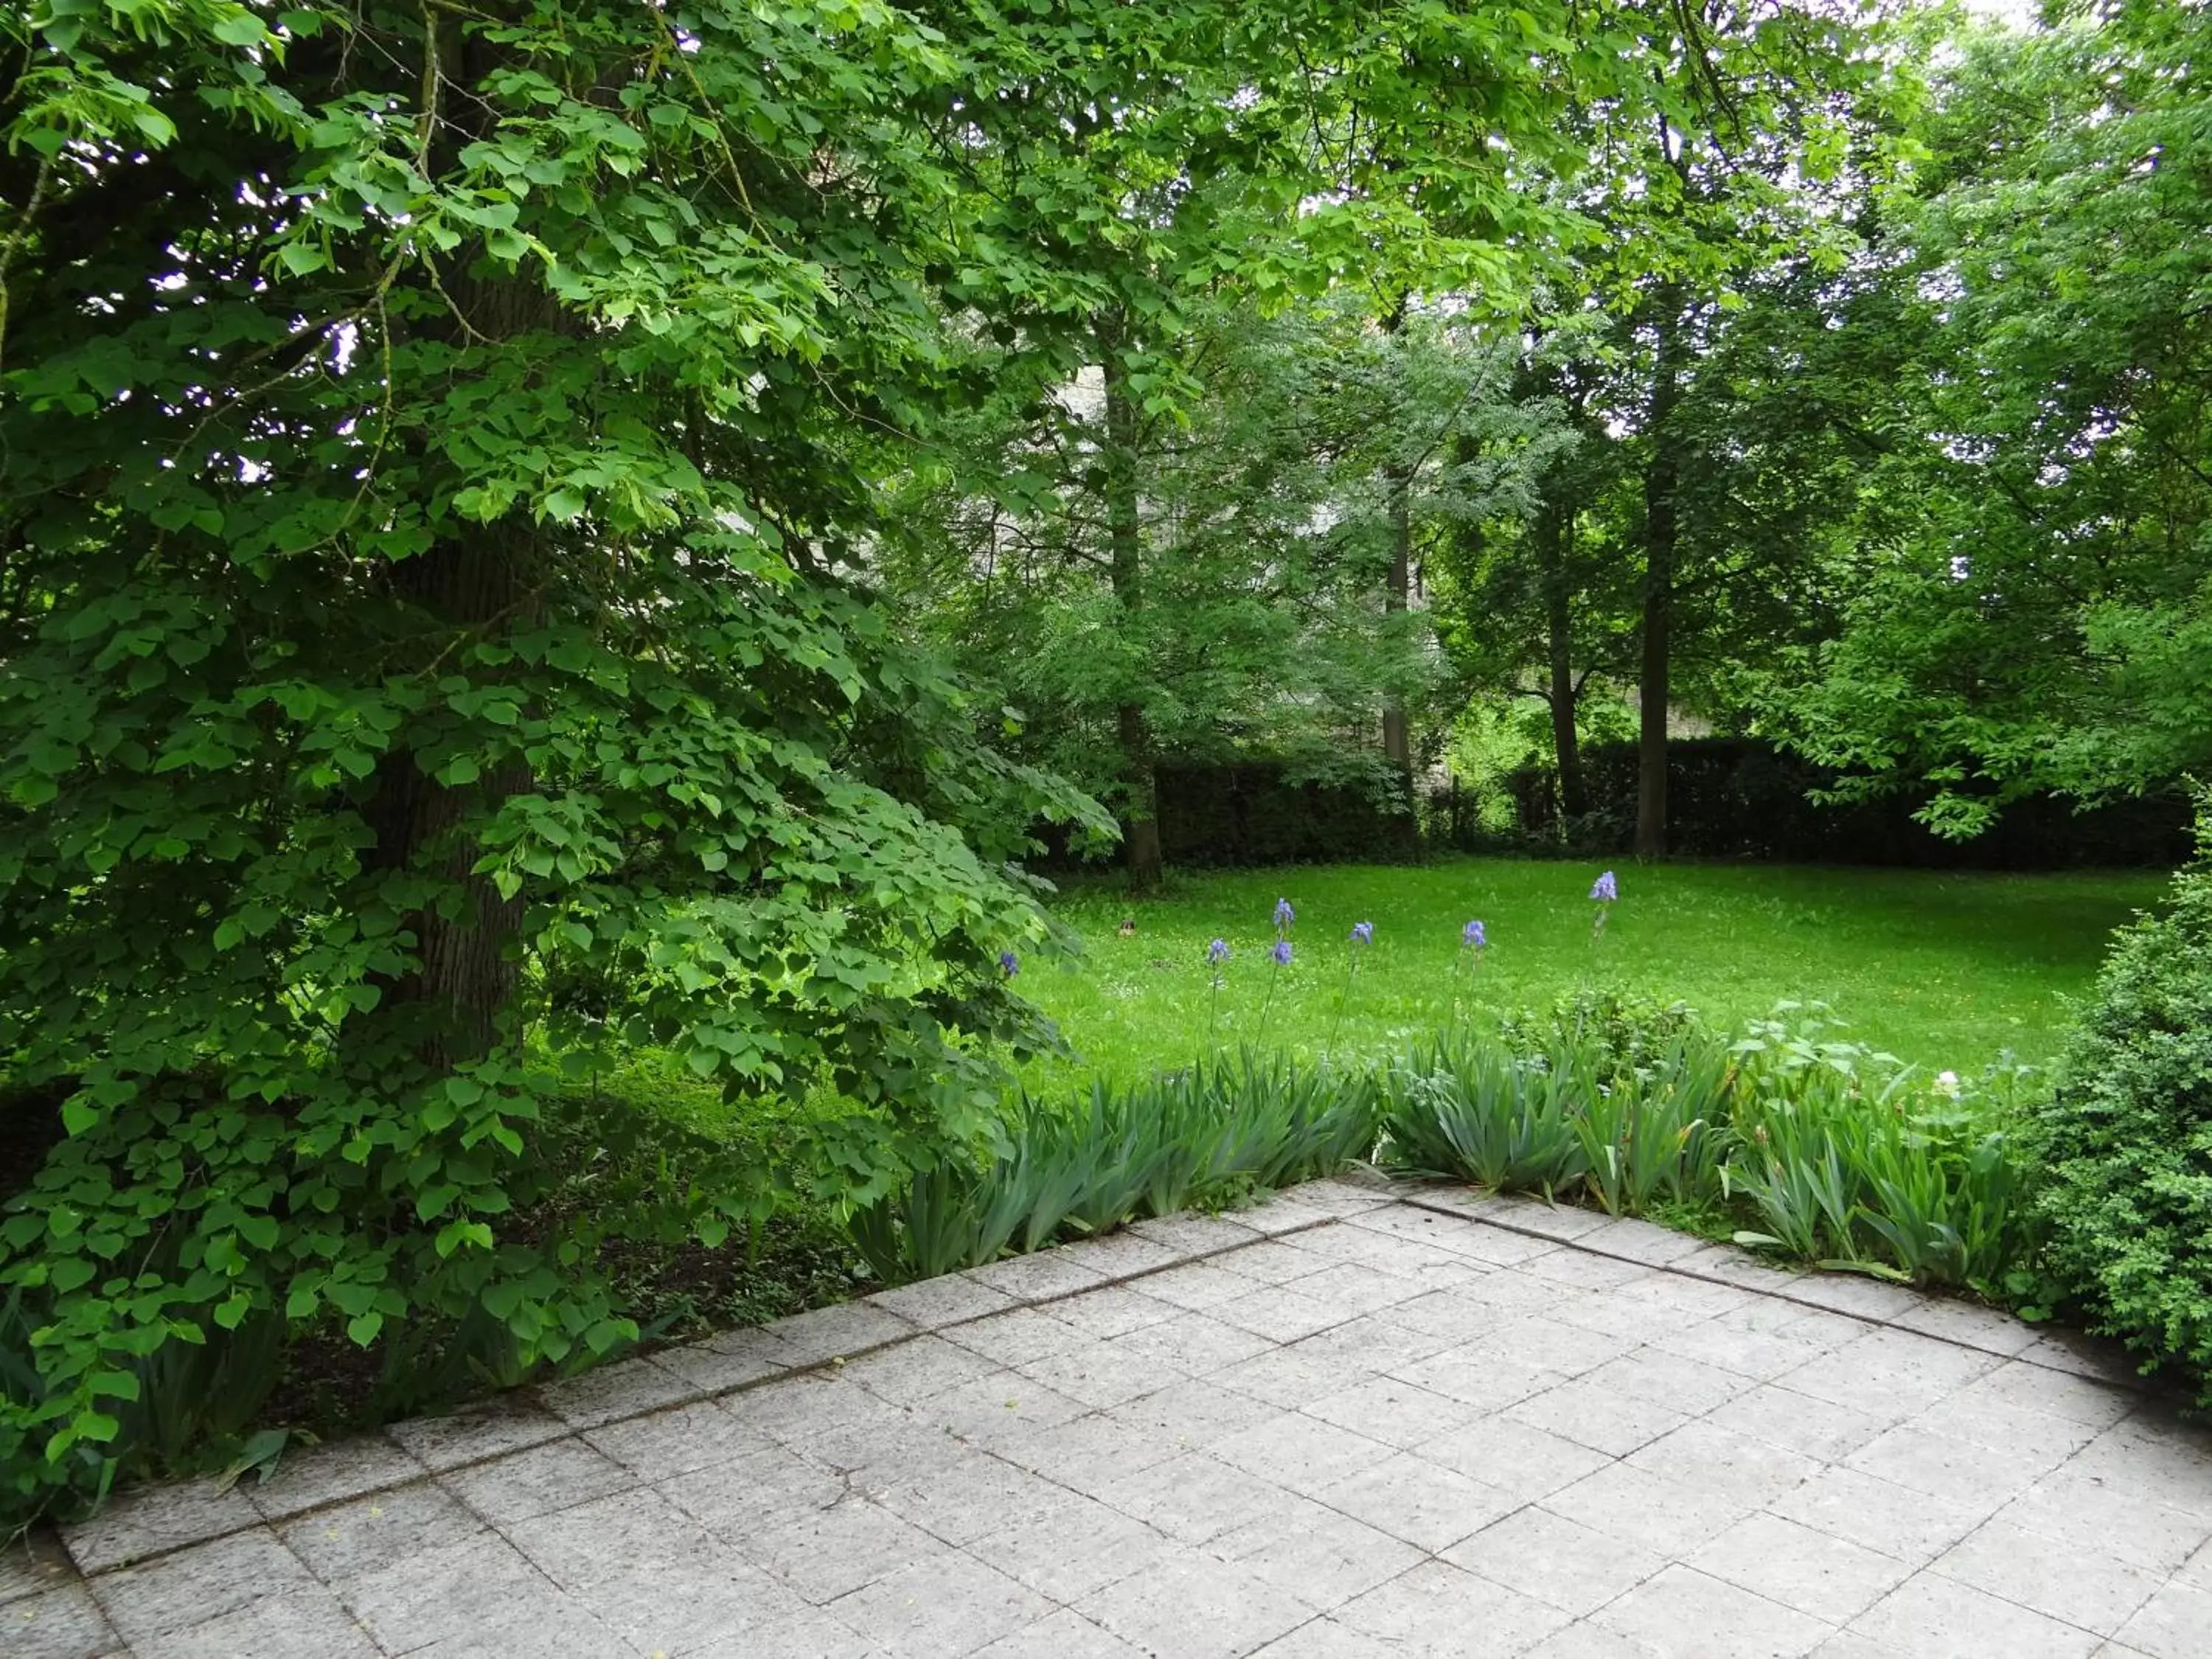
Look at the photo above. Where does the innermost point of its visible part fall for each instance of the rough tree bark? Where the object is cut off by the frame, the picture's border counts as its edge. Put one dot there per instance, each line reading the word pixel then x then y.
pixel 1140 813
pixel 1662 474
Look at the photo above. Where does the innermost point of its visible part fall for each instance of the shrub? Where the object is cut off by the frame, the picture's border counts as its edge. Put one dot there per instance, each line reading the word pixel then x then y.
pixel 1614 1031
pixel 1469 1106
pixel 1842 1156
pixel 2124 1144
pixel 1218 1132
pixel 335 786
pixel 1853 1160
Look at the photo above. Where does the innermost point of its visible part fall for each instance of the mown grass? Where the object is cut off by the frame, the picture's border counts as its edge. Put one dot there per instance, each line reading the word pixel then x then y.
pixel 1945 970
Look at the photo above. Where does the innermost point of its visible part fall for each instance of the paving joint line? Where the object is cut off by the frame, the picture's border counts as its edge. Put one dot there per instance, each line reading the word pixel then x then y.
pixel 2134 1385
pixel 1386 1197
pixel 1411 1201
pixel 1384 1200
pixel 831 1363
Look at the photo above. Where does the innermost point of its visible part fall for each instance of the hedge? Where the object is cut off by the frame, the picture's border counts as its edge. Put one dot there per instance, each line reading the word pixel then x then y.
pixel 1740 798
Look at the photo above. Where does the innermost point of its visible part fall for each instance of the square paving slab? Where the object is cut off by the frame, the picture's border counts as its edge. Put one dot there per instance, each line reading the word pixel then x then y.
pixel 1352 1423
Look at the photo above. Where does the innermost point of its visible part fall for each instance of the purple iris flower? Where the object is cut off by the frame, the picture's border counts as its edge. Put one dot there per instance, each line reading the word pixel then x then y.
pixel 1282 953
pixel 1010 963
pixel 1363 933
pixel 1218 951
pixel 1473 937
pixel 1283 915
pixel 1605 891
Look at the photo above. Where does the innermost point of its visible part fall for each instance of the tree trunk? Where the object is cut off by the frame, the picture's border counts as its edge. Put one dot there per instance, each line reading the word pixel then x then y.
pixel 1662 474
pixel 1140 814
pixel 1397 589
pixel 454 1004
pixel 455 1000
pixel 1554 531
pixel 1397 747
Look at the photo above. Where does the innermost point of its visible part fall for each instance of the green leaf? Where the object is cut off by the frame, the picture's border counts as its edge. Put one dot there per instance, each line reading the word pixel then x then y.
pixel 239 27
pixel 262 1453
pixel 96 1425
pixel 258 1230
pixel 114 1385
pixel 302 259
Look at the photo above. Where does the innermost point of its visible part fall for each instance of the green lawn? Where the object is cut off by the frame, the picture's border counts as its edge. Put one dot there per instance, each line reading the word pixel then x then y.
pixel 1948 970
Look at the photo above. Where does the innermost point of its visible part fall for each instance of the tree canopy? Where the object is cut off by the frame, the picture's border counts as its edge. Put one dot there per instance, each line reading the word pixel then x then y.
pixel 2036 619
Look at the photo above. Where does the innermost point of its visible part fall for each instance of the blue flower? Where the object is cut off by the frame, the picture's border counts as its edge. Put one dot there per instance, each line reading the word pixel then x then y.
pixel 1283 915
pixel 1473 937
pixel 1363 933
pixel 1605 889
pixel 1218 951
pixel 1010 963
pixel 1282 953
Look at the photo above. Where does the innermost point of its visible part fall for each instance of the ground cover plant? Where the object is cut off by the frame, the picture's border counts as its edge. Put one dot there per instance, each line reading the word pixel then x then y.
pixel 1785 1138
pixel 1214 1134
pixel 1949 970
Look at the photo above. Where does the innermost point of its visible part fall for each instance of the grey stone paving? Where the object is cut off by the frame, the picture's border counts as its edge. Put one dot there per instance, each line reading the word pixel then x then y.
pixel 1352 1423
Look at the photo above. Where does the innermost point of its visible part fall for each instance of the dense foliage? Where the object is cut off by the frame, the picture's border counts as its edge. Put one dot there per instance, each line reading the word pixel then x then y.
pixel 1218 1132
pixel 1929 499
pixel 1819 1149
pixel 1225 546
pixel 431 443
pixel 2037 325
pixel 1248 620
pixel 1745 798
pixel 544 534
pixel 2125 1143
pixel 453 460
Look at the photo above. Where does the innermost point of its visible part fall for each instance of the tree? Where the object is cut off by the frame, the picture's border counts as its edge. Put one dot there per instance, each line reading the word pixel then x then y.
pixel 2038 620
pixel 1729 213
pixel 1389 141
pixel 1265 509
pixel 440 444
pixel 1735 168
pixel 1531 603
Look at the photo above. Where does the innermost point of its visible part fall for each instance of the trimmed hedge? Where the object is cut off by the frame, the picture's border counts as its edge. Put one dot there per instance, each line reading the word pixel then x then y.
pixel 1741 797
pixel 1728 797
pixel 1248 812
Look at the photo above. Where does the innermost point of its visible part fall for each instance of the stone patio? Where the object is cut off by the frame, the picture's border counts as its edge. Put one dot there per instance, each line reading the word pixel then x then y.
pixel 1353 1422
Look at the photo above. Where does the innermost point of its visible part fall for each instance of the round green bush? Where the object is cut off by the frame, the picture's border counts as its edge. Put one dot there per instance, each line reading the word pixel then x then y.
pixel 2125 1143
